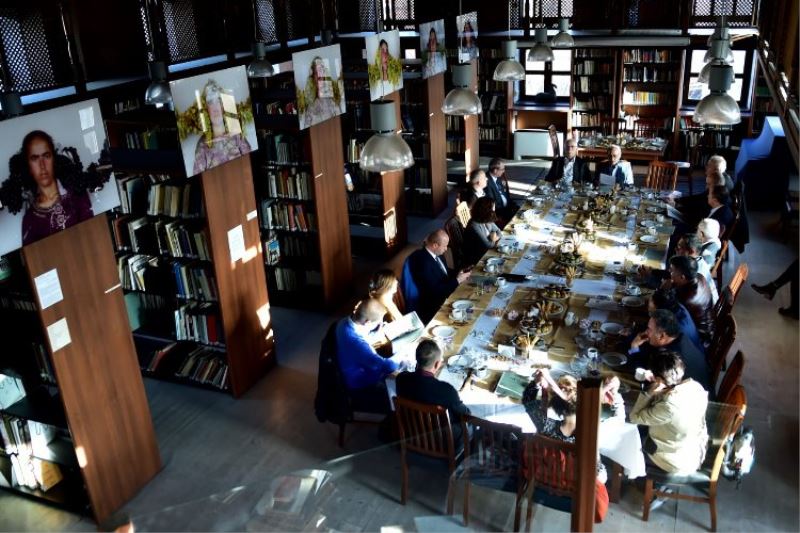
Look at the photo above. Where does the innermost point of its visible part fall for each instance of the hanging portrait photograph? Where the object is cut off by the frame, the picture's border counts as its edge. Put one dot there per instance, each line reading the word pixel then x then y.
pixel 318 84
pixel 215 118
pixel 467 25
pixel 431 45
pixel 56 173
pixel 383 64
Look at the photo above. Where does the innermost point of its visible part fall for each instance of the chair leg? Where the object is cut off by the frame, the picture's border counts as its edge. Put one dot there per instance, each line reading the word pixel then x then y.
pixel 404 474
pixel 648 497
pixel 450 496
pixel 341 434
pixel 712 504
pixel 466 502
pixel 517 510
pixel 529 512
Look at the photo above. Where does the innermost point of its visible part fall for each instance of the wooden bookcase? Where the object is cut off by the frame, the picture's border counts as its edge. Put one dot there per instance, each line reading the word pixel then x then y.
pixel 300 190
pixel 593 91
pixel 424 130
pixel 89 390
pixel 496 97
pixel 198 316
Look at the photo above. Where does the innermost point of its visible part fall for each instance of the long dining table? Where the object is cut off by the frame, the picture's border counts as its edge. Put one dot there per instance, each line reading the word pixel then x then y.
pixel 479 346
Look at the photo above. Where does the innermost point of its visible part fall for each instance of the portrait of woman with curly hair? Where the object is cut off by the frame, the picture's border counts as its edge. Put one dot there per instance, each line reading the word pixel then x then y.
pixel 318 84
pixel 383 64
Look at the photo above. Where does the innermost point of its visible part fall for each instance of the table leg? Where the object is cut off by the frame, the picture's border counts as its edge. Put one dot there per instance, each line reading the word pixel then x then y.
pixel 615 487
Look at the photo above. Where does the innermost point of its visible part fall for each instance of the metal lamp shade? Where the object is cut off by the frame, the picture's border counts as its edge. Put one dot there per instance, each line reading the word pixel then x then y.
pixel 461 100
pixel 260 67
pixel 718 108
pixel 720 49
pixel 563 39
pixel 386 150
pixel 509 69
pixel 158 92
pixel 540 51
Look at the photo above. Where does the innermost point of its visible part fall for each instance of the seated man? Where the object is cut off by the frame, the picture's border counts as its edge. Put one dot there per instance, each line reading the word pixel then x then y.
pixel 666 299
pixel 693 293
pixel 362 368
pixel 497 189
pixel 570 168
pixel 688 245
pixel 433 279
pixel 617 169
pixel 674 409
pixel 694 208
pixel 719 202
pixel 422 386
pixel 476 187
pixel 664 335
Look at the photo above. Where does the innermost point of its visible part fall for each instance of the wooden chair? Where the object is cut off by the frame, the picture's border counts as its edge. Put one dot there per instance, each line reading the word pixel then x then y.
pixel 724 337
pixel 647 127
pixel 463 213
pixel 716 271
pixel 549 470
pixel 662 176
pixel 722 308
pixel 492 458
pixel 732 376
pixel 455 250
pixel 721 426
pixel 424 429
pixel 553 131
pixel 738 279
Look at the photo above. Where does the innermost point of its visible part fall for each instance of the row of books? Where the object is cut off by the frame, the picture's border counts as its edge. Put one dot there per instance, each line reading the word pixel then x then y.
pixel 592 52
pixel 638 55
pixel 635 73
pixel 174 238
pixel 290 246
pixel 26 437
pixel 583 120
pixel 454 123
pixel 160 194
pixel 290 183
pixel 647 98
pixel 493 118
pixel 15 303
pixel 152 139
pixel 199 322
pixel 590 68
pixel 33 473
pixel 279 214
pixel 418 176
pixel 492 133
pixel 490 85
pixel 456 146
pixel 494 102
pixel 274 108
pixel 281 148
pixel 354 151
pixel 287 279
pixel 146 273
pixel 711 139
pixel 128 104
pixel 586 84
pixel 43 363
pixel 592 103
pixel 206 367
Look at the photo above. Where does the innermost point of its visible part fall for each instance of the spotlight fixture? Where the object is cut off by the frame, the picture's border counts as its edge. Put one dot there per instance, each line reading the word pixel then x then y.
pixel 563 39
pixel 260 67
pixel 158 92
pixel 509 69
pixel 718 108
pixel 385 150
pixel 462 100
pixel 540 51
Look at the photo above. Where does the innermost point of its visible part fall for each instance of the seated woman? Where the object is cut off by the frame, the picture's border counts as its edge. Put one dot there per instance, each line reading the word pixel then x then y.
pixel 708 233
pixel 482 232
pixel 383 287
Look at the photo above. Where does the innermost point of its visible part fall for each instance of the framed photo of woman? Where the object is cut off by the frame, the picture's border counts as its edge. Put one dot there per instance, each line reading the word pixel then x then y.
pixel 383 64
pixel 433 52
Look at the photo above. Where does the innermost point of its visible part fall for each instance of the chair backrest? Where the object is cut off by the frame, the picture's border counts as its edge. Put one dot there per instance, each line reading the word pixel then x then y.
pixel 553 131
pixel 738 279
pixel 463 214
pixel 732 376
pixel 728 422
pixel 724 337
pixel 647 127
pixel 612 126
pixel 332 401
pixel 662 176
pixel 408 288
pixel 723 307
pixel 456 247
pixel 424 428
pixel 716 272
pixel 491 447
pixel 550 464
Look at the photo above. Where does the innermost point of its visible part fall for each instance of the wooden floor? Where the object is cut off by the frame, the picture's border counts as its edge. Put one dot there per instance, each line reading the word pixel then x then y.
pixel 221 455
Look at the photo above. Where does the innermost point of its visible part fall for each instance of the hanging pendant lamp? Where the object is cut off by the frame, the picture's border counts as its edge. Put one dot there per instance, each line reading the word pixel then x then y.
pixel 385 150
pixel 563 39
pixel 718 107
pixel 540 51
pixel 720 55
pixel 462 100
pixel 158 92
pixel 509 69
pixel 260 67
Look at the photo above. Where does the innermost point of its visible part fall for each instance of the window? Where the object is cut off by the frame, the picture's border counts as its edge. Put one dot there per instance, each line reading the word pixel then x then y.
pixel 695 90
pixel 539 74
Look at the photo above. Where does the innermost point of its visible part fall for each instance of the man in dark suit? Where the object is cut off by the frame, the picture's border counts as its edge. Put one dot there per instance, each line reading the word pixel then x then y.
pixel 718 201
pixel 422 386
pixel 433 279
pixel 570 168
pixel 616 168
pixel 497 189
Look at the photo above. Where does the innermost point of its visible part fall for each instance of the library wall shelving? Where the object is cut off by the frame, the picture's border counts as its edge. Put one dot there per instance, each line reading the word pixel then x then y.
pixel 199 315
pixel 300 189
pixel 593 91
pixel 81 437
pixel 495 96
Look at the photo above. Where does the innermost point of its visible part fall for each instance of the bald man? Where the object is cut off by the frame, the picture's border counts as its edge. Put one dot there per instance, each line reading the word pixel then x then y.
pixel 617 168
pixel 433 279
pixel 570 168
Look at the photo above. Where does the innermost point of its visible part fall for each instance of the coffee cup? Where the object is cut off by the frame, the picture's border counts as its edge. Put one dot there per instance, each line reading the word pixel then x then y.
pixel 640 374
pixel 505 249
pixel 592 353
pixel 660 218
pixel 491 268
pixel 459 314
pixel 500 282
pixel 652 230
pixel 569 319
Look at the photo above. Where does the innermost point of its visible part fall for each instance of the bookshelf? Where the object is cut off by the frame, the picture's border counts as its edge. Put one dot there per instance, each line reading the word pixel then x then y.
pixel 300 190
pixel 763 104
pixel 198 315
pixel 495 96
pixel 593 90
pixel 90 438
pixel 424 130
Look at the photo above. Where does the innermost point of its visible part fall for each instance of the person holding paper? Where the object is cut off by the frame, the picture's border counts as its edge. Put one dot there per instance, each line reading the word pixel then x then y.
pixel 614 171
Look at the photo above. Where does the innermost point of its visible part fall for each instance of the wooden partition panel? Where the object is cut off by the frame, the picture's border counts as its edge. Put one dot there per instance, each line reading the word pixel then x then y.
pixel 97 371
pixel 394 200
pixel 588 417
pixel 327 163
pixel 438 147
pixel 471 130
pixel 244 305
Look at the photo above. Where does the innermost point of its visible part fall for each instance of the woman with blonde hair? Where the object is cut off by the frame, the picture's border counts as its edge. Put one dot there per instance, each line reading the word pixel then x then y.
pixel 383 287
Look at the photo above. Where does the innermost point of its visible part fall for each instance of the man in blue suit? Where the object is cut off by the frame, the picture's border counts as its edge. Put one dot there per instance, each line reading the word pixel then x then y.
pixel 617 168
pixel 433 279
pixel 497 189
pixel 362 368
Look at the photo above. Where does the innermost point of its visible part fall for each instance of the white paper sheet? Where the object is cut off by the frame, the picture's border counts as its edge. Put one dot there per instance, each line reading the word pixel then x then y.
pixel 236 243
pixel 58 333
pixel 48 288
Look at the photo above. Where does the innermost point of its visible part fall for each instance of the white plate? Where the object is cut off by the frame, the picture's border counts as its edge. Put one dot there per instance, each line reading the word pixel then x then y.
pixel 465 305
pixel 654 209
pixel 495 261
pixel 459 360
pixel 443 332
pixel 613 359
pixel 611 328
pixel 647 223
pixel 633 301
pixel 649 239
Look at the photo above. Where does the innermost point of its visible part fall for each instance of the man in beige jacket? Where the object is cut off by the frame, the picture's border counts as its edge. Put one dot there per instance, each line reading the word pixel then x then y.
pixel 674 409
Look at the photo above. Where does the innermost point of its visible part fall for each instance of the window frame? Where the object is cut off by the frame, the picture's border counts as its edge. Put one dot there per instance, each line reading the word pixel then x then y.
pixel 746 76
pixel 548 74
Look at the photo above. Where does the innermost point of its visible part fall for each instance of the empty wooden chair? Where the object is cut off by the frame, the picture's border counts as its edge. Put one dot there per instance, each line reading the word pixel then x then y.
pixel 424 429
pixel 732 376
pixel 738 279
pixel 724 337
pixel 662 176
pixel 722 308
pixel 455 250
pixel 492 459
pixel 722 423
pixel 549 475
pixel 716 271
pixel 463 213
